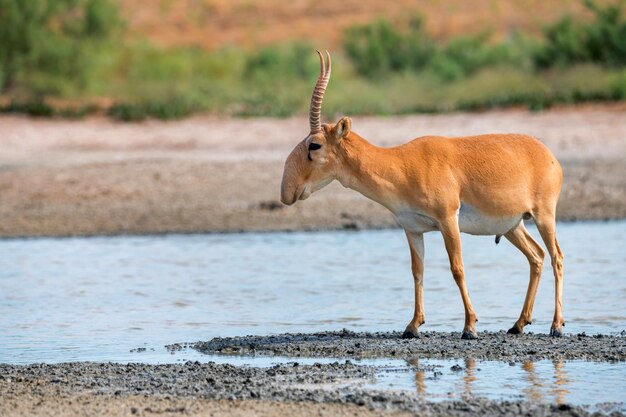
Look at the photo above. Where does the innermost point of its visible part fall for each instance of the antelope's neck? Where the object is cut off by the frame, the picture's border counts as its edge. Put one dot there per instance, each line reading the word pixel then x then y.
pixel 370 170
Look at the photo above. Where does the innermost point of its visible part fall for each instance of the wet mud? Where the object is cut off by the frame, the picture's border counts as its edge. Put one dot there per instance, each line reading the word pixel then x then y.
pixel 489 346
pixel 54 386
pixel 335 388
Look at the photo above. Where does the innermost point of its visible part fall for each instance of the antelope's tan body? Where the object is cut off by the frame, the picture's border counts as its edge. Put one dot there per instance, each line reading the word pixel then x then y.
pixel 482 185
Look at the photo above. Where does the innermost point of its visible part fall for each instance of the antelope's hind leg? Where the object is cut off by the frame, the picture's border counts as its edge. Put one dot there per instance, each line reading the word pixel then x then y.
pixel 523 241
pixel 416 244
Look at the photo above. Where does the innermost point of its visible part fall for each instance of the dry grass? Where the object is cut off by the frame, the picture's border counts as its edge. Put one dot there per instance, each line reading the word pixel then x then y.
pixel 217 23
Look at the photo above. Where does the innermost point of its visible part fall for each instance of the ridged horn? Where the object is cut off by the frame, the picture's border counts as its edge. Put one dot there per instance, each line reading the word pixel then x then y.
pixel 318 94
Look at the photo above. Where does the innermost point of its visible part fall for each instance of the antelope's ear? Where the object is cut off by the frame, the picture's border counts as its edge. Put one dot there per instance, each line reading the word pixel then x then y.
pixel 342 128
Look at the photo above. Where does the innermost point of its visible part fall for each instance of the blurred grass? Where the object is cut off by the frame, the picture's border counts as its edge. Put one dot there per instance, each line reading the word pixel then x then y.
pixel 383 69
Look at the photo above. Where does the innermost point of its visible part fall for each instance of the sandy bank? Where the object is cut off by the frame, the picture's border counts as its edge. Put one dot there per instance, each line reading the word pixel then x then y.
pixel 91 405
pixel 60 178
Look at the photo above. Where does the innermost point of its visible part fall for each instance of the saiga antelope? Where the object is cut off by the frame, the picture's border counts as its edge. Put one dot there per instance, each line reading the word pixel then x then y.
pixel 482 185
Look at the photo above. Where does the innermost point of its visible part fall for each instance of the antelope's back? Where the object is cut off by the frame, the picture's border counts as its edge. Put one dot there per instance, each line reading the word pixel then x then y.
pixel 510 171
pixel 500 173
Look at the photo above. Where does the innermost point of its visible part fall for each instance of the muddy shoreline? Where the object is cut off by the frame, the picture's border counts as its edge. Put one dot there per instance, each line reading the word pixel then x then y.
pixel 490 346
pixel 205 174
pixel 335 388
pixel 45 387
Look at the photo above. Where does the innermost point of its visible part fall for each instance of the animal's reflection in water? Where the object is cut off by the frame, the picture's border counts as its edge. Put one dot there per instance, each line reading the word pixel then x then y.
pixel 556 388
pixel 470 376
pixel 561 381
pixel 534 391
pixel 539 388
pixel 420 376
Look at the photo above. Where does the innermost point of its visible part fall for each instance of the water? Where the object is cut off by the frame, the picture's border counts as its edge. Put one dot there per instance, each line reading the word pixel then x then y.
pixel 575 382
pixel 97 298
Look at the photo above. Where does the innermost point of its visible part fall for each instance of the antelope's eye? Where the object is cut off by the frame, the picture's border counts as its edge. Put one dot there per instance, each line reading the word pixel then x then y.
pixel 314 146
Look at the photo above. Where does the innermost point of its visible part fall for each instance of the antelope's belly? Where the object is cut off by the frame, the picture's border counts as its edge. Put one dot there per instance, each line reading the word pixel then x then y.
pixel 414 221
pixel 475 223
pixel 470 221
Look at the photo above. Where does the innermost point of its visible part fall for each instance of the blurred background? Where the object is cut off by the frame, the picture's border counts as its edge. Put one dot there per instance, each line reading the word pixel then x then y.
pixel 168 59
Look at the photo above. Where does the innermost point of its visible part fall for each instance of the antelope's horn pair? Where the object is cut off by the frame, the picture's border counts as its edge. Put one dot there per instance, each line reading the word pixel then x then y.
pixel 318 94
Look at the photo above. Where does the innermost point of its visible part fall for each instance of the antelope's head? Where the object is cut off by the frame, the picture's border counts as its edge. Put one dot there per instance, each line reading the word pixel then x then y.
pixel 314 161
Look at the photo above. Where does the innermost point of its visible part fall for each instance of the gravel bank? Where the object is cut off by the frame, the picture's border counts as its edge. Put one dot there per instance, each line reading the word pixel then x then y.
pixel 489 346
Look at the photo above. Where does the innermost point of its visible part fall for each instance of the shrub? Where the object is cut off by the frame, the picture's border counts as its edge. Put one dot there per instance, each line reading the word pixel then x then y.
pixel 38 107
pixel 565 44
pixel 53 37
pixel 619 87
pixel 379 47
pixel 465 55
pixel 175 108
pixel 293 61
pixel 606 37
pixel 602 41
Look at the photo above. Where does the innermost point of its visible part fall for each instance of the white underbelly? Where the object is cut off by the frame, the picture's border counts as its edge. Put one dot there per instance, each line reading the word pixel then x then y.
pixel 470 221
pixel 414 221
pixel 475 223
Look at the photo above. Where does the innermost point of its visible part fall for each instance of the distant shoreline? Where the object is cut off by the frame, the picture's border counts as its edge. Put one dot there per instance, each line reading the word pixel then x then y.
pixel 96 177
pixel 350 228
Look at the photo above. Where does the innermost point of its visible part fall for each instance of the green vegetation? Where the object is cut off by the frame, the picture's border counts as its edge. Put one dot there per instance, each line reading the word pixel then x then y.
pixel 377 49
pixel 380 48
pixel 54 47
pixel 57 56
pixel 602 41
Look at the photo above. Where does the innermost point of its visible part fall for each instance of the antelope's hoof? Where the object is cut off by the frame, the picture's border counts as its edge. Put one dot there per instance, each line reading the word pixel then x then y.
pixel 515 330
pixel 556 332
pixel 469 335
pixel 408 334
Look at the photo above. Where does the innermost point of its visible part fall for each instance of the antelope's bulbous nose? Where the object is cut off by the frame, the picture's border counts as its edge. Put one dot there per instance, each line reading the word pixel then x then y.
pixel 290 185
pixel 287 191
pixel 287 199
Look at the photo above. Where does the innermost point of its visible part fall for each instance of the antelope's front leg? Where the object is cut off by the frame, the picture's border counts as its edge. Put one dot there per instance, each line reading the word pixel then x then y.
pixel 452 238
pixel 416 244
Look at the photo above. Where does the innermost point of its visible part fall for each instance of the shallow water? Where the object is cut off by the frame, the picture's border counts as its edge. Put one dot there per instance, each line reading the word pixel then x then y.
pixel 97 298
pixel 597 384
pixel 573 382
